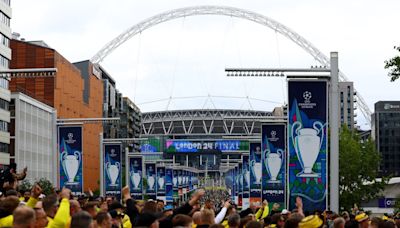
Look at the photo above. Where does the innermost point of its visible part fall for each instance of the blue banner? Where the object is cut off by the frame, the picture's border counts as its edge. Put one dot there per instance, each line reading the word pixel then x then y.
pixel 217 146
pixel 255 172
pixel 175 183
pixel 274 162
pixel 112 174
pixel 246 182
pixel 151 174
pixel 308 142
pixel 161 183
pixel 169 193
pixel 70 158
pixel 136 176
pixel 240 184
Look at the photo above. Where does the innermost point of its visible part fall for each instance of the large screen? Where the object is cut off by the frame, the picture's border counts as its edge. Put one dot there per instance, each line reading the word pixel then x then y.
pixel 209 146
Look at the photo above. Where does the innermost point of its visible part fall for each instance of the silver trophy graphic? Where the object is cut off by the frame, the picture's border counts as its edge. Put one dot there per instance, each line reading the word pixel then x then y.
pixel 246 176
pixel 160 181
pixel 255 168
pixel 135 178
pixel 273 163
pixel 179 179
pixel 113 172
pixel 70 164
pixel 175 181
pixel 150 179
pixel 307 144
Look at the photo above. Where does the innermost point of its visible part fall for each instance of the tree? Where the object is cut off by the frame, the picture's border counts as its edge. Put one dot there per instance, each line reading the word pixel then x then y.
pixel 393 65
pixel 358 170
pixel 46 186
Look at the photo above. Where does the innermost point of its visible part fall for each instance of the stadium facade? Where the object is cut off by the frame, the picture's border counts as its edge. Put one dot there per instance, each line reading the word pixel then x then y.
pixel 207 139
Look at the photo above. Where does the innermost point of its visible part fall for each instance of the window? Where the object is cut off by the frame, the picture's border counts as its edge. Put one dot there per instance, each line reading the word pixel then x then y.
pixel 3 147
pixel 3 126
pixel 4 40
pixel 4 61
pixel 4 19
pixel 7 2
pixel 4 104
pixel 3 83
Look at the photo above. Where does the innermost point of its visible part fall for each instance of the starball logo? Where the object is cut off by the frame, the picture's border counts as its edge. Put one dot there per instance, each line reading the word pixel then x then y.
pixel 273 137
pixel 307 104
pixel 70 139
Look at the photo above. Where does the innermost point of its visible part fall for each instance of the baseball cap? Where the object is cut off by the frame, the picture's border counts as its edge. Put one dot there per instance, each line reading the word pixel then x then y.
pixel 115 205
pixel 284 212
pixel 312 221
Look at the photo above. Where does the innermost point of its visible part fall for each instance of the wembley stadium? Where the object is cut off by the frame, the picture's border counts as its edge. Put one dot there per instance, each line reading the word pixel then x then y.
pixel 205 139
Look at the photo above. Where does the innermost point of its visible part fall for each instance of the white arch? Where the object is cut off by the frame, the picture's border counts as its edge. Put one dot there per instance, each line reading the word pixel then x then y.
pixel 227 11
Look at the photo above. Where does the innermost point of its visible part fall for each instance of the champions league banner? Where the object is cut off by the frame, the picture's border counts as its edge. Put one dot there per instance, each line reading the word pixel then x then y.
pixel 308 143
pixel 112 170
pixel 151 174
pixel 240 184
pixel 161 183
pixel 236 184
pixel 246 182
pixel 274 162
pixel 175 183
pixel 135 164
pixel 255 172
pixel 169 193
pixel 70 158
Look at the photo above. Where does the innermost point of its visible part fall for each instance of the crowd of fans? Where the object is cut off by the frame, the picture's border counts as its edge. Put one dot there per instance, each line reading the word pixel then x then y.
pixel 210 209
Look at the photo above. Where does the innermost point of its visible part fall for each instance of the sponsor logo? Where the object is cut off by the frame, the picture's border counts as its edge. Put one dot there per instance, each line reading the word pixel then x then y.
pixel 390 106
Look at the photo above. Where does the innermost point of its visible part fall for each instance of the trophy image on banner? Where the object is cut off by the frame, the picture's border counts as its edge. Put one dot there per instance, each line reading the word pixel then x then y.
pixel 273 163
pixel 179 179
pixel 255 168
pixel 160 181
pixel 113 172
pixel 136 178
pixel 70 164
pixel 150 178
pixel 175 181
pixel 246 176
pixel 307 144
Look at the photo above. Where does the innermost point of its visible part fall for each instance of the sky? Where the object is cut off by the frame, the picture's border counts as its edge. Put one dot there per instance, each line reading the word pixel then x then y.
pixel 185 58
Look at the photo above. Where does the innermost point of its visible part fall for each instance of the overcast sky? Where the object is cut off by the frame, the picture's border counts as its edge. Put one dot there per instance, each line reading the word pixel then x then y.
pixel 186 57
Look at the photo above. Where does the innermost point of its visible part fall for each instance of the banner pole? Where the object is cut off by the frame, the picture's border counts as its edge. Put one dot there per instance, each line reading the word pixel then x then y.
pixel 101 165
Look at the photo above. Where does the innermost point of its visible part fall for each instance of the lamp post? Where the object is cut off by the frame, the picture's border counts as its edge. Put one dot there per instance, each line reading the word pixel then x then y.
pixel 331 74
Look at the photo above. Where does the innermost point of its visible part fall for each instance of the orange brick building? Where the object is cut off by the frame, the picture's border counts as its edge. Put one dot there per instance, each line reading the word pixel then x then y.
pixel 73 94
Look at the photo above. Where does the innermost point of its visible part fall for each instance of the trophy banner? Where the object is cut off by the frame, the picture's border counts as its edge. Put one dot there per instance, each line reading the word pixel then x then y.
pixel 307 141
pixel 236 185
pixel 112 169
pixel 151 175
pixel 70 158
pixel 240 184
pixel 246 182
pixel 169 193
pixel 175 183
pixel 255 172
pixel 161 183
pixel 135 174
pixel 274 162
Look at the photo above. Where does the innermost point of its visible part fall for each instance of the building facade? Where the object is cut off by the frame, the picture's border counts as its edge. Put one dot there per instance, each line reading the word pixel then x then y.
pixel 347 104
pixel 130 123
pixel 386 132
pixel 33 137
pixel 72 93
pixel 5 57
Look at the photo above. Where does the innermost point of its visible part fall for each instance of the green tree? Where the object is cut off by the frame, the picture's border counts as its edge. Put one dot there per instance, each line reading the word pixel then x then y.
pixel 393 65
pixel 25 186
pixel 47 187
pixel 358 170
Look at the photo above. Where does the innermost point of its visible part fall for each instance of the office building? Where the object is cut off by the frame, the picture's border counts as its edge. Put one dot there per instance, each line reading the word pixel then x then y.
pixel 386 131
pixel 72 92
pixel 33 137
pixel 347 104
pixel 5 57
